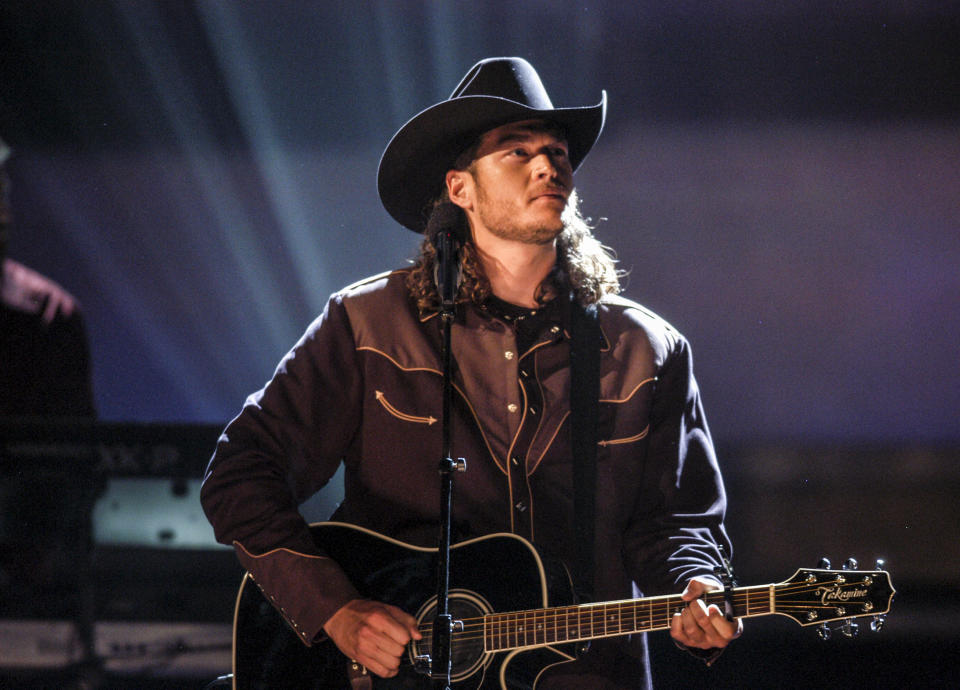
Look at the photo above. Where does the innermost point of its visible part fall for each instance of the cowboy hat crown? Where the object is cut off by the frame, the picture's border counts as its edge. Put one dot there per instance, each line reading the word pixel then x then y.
pixel 494 92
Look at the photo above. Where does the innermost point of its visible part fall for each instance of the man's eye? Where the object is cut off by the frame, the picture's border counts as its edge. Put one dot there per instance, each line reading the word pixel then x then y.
pixel 519 152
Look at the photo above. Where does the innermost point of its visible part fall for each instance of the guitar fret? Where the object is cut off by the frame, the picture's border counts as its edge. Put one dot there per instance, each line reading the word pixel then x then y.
pixel 669 605
pixel 538 627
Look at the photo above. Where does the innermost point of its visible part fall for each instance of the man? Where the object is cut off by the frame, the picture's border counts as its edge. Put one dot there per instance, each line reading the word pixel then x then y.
pixel 44 356
pixel 363 386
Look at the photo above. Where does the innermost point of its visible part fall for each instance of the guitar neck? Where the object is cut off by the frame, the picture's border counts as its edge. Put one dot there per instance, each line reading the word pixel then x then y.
pixel 504 631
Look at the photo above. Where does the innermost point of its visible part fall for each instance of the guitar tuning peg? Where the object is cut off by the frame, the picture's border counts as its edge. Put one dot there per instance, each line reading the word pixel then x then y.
pixel 850 564
pixel 824 632
pixel 849 628
pixel 877 623
pixel 881 564
pixel 824 563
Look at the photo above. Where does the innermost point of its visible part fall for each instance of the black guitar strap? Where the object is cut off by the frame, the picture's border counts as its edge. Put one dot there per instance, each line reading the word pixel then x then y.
pixel 584 406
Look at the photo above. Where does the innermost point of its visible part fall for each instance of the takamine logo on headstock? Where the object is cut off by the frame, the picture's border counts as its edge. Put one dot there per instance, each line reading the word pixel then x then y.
pixel 837 593
pixel 818 596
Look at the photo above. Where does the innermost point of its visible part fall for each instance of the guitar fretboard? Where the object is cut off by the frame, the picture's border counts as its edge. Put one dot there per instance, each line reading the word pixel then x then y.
pixel 503 631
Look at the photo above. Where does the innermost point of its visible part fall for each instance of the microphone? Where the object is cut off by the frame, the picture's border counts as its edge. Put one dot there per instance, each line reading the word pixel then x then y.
pixel 446 230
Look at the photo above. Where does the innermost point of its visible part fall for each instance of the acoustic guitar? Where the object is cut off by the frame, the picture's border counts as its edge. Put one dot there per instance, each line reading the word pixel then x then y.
pixel 514 610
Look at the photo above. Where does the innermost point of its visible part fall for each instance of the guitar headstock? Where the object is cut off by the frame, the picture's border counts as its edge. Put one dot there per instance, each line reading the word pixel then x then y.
pixel 815 596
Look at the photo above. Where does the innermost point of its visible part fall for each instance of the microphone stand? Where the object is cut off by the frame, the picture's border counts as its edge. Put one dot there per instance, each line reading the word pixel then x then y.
pixel 448 273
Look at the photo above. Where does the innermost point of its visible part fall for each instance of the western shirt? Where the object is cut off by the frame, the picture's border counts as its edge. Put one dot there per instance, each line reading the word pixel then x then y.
pixel 363 387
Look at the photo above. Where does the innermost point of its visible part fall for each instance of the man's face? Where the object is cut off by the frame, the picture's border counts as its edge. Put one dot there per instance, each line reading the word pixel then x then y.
pixel 522 180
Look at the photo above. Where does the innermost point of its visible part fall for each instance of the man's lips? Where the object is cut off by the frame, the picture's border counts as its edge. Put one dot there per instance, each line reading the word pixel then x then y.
pixel 552 194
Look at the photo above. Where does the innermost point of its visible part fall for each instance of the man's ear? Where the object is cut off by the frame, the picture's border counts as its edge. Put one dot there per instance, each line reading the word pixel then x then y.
pixel 460 188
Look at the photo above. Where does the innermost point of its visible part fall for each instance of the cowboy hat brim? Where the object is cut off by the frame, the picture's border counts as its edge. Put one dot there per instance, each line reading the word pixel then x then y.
pixel 415 161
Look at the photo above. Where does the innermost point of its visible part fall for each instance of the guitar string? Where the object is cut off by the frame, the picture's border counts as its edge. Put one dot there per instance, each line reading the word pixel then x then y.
pixel 597 615
pixel 593 615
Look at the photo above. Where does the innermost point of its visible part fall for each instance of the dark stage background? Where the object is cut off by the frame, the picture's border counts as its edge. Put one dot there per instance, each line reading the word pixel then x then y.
pixel 781 180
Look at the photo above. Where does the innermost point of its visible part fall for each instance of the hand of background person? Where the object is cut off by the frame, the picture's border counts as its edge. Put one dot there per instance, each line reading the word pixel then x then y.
pixel 30 291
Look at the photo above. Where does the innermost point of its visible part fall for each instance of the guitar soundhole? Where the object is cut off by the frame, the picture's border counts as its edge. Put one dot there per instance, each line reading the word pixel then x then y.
pixel 466 650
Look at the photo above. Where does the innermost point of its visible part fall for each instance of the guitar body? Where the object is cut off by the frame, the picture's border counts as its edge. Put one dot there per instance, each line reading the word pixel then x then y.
pixel 495 573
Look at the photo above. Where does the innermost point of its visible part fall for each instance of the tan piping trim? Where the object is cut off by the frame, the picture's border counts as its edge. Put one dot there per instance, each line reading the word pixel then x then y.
pixel 549 443
pixel 536 347
pixel 273 551
pixel 523 416
pixel 629 439
pixel 510 498
pixel 396 363
pixel 606 341
pixel 526 483
pixel 632 393
pixel 536 376
pixel 493 455
pixel 382 399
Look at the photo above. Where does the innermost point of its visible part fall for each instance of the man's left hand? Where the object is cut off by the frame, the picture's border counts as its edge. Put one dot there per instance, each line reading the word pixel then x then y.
pixel 699 625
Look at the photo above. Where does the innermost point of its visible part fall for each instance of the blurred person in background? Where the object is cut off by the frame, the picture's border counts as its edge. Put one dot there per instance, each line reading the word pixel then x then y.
pixel 44 355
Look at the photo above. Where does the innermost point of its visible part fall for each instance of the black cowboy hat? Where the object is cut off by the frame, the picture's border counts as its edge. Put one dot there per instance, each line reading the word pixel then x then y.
pixel 494 92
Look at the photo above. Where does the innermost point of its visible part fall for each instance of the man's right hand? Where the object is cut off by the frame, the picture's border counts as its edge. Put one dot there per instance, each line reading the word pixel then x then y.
pixel 373 634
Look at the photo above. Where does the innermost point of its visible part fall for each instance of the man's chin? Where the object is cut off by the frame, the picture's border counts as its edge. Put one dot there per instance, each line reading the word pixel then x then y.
pixel 539 233
pixel 545 235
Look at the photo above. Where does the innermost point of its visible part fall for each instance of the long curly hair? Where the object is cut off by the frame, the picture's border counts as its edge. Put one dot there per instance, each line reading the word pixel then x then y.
pixel 584 267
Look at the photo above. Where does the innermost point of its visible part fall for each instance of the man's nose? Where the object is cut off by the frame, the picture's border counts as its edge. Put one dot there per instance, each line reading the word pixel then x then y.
pixel 546 166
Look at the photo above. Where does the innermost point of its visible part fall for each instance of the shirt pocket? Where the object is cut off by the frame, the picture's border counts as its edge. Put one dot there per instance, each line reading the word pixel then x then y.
pixel 625 419
pixel 399 414
pixel 625 439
